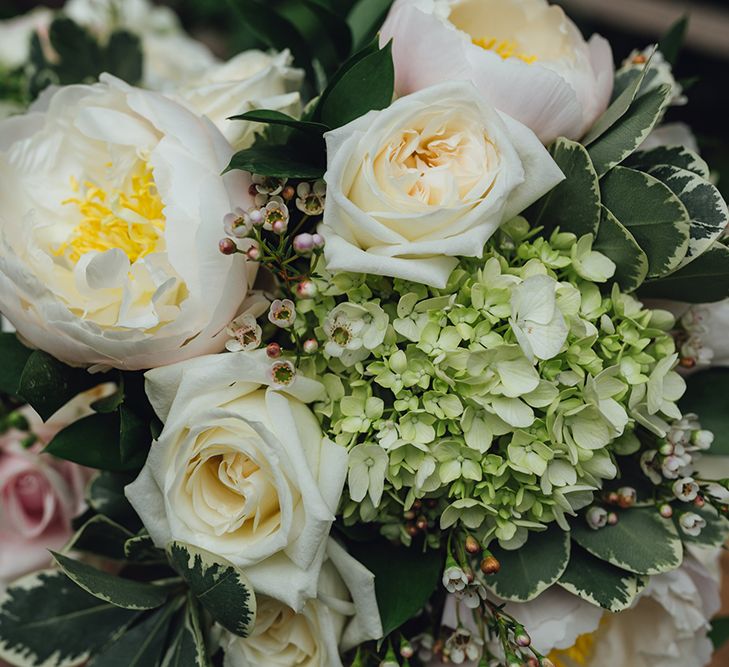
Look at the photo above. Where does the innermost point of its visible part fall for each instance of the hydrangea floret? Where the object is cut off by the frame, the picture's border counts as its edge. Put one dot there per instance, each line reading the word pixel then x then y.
pixel 505 397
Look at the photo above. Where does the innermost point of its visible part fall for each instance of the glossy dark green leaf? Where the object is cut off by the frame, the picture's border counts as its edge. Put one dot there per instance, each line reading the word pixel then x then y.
pixel 672 42
pixel 105 495
pixel 188 648
pixel 367 85
pixel 49 605
pixel 707 395
pixel 124 593
pixel 366 18
pixel 94 442
pixel 654 216
pixel 141 549
pixel 704 280
pixel 523 577
pixel 272 117
pixel 47 384
pixel 276 161
pixel 719 634
pixel 14 356
pixel 220 586
pixel 405 578
pixel 124 57
pixel 615 241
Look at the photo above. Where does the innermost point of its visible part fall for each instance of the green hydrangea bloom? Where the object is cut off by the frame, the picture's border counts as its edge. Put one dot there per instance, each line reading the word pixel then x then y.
pixel 502 398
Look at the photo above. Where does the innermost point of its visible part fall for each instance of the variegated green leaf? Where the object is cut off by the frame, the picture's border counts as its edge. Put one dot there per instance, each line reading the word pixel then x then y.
pixel 674 156
pixel 220 586
pixel 143 644
pixel 642 541
pixel 522 576
pixel 626 135
pixel 704 280
pixel 120 592
pixel 620 245
pixel 619 106
pixel 49 605
pixel 704 203
pixel 651 213
pixel 599 582
pixel 188 648
pixel 141 549
pixel 574 205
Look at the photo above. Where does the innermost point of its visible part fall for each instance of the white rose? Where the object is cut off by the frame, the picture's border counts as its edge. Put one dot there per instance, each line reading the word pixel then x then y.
pixel 428 179
pixel 111 207
pixel 343 616
pixel 251 80
pixel 16 34
pixel 526 58
pixel 170 55
pixel 242 470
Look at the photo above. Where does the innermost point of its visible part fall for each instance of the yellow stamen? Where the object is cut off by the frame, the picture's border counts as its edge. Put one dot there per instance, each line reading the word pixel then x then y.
pixel 504 48
pixel 131 219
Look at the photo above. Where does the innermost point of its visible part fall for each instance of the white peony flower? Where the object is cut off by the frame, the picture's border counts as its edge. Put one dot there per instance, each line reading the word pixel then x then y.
pixel 171 57
pixel 430 178
pixel 110 205
pixel 536 320
pixel 344 615
pixel 251 80
pixel 242 470
pixel 525 56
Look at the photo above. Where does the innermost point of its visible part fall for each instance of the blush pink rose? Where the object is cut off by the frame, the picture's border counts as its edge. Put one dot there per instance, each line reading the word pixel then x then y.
pixel 39 496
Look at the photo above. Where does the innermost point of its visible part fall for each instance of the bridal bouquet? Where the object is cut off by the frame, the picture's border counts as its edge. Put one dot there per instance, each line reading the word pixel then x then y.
pixel 389 345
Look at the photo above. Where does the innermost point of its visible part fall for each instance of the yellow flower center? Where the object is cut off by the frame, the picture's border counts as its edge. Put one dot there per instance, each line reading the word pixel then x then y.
pixel 578 654
pixel 129 218
pixel 504 48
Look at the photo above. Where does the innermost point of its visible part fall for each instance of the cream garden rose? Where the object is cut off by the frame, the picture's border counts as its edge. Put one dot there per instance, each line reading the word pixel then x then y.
pixel 344 615
pixel 242 470
pixel 525 56
pixel 111 202
pixel 251 80
pixel 431 178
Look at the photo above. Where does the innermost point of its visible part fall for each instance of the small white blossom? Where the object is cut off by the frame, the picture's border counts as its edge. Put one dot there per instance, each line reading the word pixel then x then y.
pixel 245 332
pixel 462 646
pixel 311 200
pixel 282 313
pixel 276 215
pixel 686 489
pixel 238 223
pixel 649 466
pixel 702 439
pixel 269 185
pixel 283 373
pixel 692 524
pixel 454 579
pixel 353 330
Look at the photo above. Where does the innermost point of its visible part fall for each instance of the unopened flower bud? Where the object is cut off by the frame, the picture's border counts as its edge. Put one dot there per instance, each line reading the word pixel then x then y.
pixel 279 227
pixel 702 439
pixel 406 649
pixel 612 498
pixel 612 519
pixel 596 517
pixel 288 193
pixel 667 449
pixel 227 246
pixel 699 502
pixel 318 240
pixel 472 545
pixel 303 243
pixel 522 638
pixel 489 565
pixel 666 511
pixel 311 345
pixel 273 350
pixel 627 496
pixel 306 289
pixel 253 253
